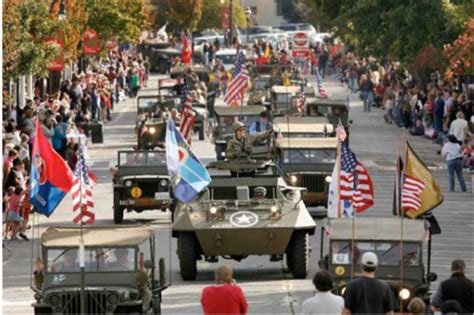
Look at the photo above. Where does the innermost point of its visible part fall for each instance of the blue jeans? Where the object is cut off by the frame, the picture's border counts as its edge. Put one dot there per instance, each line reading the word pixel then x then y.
pixel 353 84
pixel 368 99
pixel 455 166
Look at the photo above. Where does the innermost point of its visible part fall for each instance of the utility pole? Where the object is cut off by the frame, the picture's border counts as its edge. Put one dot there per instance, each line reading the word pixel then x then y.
pixel 231 35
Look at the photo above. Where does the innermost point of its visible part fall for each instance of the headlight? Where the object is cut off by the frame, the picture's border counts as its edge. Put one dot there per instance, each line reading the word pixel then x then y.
pixel 128 183
pixel 343 290
pixel 404 294
pixel 293 179
pixel 328 179
pixel 54 300
pixel 152 130
pixel 113 299
pixel 274 209
pixel 213 210
pixel 163 183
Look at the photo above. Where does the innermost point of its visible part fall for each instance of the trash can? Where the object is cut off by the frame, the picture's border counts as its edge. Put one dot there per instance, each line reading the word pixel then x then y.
pixel 96 133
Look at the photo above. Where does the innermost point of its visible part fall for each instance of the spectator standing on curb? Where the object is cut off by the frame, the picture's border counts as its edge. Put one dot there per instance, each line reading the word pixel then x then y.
pixel 367 88
pixel 438 114
pixel 367 295
pixel 416 307
pixel 225 297
pixel 457 288
pixel 458 127
pixel 452 153
pixel 323 302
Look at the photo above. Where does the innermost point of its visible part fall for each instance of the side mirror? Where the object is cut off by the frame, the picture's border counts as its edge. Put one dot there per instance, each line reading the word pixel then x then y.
pixel 148 264
pixel 431 277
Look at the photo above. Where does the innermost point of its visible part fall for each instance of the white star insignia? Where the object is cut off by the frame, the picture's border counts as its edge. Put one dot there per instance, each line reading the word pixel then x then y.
pixel 244 219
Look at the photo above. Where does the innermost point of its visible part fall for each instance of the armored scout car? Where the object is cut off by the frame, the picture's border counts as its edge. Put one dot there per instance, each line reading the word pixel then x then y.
pixel 141 182
pixel 119 271
pixel 241 216
pixel 383 237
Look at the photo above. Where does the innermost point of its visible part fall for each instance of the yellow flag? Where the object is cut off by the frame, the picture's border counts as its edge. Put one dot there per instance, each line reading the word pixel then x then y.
pixel 431 196
pixel 286 79
pixel 267 51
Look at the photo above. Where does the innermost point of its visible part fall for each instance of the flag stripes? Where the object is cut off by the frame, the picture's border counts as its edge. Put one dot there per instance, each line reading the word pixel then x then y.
pixel 411 192
pixel 82 197
pixel 239 81
pixel 321 90
pixel 187 115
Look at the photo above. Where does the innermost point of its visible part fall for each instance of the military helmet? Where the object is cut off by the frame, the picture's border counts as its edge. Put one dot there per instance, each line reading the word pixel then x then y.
pixel 237 125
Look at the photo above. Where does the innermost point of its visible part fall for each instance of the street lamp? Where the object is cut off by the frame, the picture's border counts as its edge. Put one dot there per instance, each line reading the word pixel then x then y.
pixel 248 15
pixel 62 10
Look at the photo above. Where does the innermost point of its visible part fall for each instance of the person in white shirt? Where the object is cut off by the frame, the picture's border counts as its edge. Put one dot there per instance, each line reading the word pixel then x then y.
pixel 453 156
pixel 323 302
pixel 458 127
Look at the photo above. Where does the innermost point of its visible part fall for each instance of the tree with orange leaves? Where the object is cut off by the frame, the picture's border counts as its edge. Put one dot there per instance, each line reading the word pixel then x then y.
pixel 460 53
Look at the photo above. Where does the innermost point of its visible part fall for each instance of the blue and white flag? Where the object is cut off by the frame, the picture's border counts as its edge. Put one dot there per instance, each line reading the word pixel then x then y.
pixel 188 175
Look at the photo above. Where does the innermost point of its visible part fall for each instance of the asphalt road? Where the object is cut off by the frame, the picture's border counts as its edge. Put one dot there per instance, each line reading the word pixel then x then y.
pixel 268 286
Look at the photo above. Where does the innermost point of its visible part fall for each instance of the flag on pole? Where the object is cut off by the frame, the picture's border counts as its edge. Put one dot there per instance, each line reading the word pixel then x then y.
pixel 186 52
pixel 50 177
pixel 162 33
pixel 82 198
pixel 189 176
pixel 321 90
pixel 187 114
pixel 301 102
pixel 239 82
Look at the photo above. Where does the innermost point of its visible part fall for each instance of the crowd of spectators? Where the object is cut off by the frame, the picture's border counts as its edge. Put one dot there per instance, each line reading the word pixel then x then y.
pixel 89 97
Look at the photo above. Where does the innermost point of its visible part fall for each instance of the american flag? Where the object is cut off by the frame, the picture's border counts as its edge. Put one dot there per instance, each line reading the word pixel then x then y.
pixel 355 184
pixel 301 102
pixel 411 191
pixel 187 114
pixel 239 82
pixel 322 92
pixel 82 198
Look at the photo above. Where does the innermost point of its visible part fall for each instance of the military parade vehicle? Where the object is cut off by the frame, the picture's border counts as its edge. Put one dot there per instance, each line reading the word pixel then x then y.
pixel 398 254
pixel 160 55
pixel 225 116
pixel 234 212
pixel 201 71
pixel 151 132
pixel 166 88
pixel 308 162
pixel 282 99
pixel 303 127
pixel 141 182
pixel 335 110
pixel 119 276
pixel 260 89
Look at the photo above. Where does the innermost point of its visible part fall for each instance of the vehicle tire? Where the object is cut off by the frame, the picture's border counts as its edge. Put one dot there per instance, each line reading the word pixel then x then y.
pixel 118 209
pixel 201 134
pixel 187 256
pixel 300 254
pixel 290 258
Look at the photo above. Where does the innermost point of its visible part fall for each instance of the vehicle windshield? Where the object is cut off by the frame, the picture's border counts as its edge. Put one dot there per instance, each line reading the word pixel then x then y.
pixel 140 158
pixel 388 253
pixel 261 85
pixel 227 121
pixel 118 259
pixel 148 103
pixel 302 156
pixel 227 59
pixel 283 99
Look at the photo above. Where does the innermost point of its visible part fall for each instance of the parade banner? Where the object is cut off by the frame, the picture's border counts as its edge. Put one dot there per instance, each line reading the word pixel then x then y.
pixel 91 44
pixel 58 63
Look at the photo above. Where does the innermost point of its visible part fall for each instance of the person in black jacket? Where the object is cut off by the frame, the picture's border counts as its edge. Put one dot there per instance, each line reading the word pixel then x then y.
pixel 457 288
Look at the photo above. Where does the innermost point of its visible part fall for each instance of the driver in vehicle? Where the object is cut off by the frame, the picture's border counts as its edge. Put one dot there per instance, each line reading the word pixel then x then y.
pixel 69 262
pixel 260 192
pixel 238 148
pixel 262 125
pixel 122 261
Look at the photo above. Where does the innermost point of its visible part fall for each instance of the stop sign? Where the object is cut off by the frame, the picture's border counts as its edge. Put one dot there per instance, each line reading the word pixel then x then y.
pixel 301 39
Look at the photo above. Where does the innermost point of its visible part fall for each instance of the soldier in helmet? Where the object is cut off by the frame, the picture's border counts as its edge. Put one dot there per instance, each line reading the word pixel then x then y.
pixel 238 148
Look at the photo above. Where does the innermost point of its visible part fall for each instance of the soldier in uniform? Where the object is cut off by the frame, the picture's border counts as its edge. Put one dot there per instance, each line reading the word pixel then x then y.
pixel 238 148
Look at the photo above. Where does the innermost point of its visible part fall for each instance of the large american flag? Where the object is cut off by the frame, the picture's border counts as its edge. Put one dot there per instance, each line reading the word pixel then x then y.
pixel 82 198
pixel 411 191
pixel 187 114
pixel 321 90
pixel 301 101
pixel 239 82
pixel 355 184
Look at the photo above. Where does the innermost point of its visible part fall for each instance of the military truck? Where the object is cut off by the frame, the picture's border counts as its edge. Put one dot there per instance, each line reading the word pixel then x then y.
pixel 282 98
pixel 119 271
pixel 201 71
pixel 308 162
pixel 236 217
pixel 160 55
pixel 225 116
pixel 141 182
pixel 304 127
pixel 166 88
pixel 259 92
pixel 334 110
pixel 397 254
pixel 150 132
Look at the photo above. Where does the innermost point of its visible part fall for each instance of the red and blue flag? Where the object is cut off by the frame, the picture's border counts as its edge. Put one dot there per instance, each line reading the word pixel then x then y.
pixel 51 178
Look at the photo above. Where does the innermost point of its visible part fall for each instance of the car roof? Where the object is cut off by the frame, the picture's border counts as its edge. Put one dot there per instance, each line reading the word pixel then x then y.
pixel 244 110
pixel 227 51
pixel 378 229
pixel 307 143
pixel 326 101
pixel 300 120
pixel 305 128
pixel 167 83
pixel 96 235
pixel 286 89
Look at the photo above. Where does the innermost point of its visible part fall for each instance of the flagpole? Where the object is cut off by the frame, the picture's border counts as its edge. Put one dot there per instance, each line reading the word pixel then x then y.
pixel 338 161
pixel 81 242
pixel 401 211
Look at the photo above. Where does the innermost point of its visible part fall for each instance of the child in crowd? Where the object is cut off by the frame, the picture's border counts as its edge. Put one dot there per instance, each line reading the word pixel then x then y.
pixel 13 213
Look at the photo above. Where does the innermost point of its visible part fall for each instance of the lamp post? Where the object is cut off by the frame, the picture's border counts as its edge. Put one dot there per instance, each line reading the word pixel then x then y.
pixel 248 15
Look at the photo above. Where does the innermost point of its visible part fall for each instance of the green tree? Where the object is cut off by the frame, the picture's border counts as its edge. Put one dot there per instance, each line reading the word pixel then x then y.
pixel 26 24
pixel 179 14
pixel 211 15
pixel 290 11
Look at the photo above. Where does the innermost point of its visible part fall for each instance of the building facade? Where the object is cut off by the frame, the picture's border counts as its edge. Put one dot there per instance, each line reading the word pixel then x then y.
pixel 266 12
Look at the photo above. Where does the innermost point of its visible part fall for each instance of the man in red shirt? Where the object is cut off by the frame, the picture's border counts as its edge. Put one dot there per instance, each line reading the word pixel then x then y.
pixel 225 297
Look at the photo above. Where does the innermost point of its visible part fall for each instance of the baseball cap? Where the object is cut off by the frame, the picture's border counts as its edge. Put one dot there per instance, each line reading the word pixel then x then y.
pixel 369 259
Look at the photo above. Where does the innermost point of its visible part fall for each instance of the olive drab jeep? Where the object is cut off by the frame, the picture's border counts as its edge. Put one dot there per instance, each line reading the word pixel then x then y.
pixel 382 236
pixel 234 211
pixel 121 275
pixel 141 182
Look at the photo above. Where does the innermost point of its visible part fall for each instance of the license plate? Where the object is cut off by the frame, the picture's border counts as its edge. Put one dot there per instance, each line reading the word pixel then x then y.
pixel 162 195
